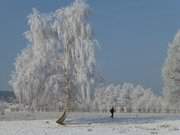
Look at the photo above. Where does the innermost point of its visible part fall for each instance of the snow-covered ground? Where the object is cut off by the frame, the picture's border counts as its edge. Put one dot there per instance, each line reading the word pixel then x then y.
pixel 90 124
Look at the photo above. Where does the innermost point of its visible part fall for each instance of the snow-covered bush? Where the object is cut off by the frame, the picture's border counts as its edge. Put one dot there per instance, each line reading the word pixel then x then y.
pixel 2 109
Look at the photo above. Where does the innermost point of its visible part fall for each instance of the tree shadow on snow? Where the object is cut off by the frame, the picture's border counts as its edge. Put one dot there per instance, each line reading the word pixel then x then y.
pixel 122 120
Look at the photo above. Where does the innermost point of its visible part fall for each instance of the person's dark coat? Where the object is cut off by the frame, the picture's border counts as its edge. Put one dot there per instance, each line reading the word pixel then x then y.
pixel 112 110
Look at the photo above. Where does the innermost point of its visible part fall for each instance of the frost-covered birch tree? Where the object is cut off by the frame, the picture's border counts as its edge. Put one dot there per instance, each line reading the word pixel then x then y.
pixel 61 47
pixel 38 74
pixel 171 74
pixel 79 48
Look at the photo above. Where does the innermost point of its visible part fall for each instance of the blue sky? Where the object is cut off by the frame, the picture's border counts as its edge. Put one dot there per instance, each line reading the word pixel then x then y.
pixel 133 34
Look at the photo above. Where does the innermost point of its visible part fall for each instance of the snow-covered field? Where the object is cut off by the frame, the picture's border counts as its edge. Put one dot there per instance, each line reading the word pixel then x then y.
pixel 90 124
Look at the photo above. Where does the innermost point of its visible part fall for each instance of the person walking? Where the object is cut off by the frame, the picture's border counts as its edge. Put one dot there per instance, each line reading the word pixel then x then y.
pixel 112 110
